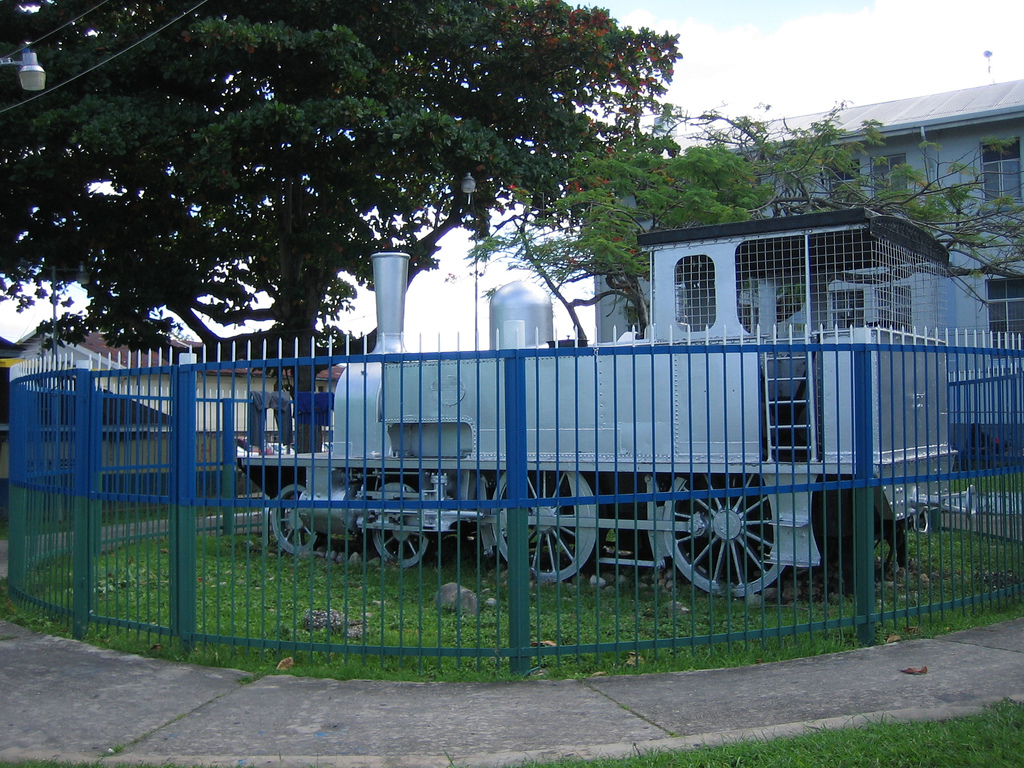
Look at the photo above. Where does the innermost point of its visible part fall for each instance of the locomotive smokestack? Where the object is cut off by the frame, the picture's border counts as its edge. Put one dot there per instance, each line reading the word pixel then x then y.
pixel 390 278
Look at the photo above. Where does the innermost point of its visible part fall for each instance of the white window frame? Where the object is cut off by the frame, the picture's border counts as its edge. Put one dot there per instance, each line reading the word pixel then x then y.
pixel 1000 170
pixel 881 170
pixel 1005 304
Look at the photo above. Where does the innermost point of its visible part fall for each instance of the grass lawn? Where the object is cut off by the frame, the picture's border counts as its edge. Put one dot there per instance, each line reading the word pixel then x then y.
pixel 252 600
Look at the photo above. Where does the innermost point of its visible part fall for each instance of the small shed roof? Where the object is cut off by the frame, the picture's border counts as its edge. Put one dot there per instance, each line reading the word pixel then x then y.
pixel 889 228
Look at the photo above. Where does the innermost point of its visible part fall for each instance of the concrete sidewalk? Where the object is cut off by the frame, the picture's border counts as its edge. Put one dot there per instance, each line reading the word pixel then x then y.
pixel 68 701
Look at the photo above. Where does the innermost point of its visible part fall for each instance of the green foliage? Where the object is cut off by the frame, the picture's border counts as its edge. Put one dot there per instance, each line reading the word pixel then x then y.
pixel 744 168
pixel 822 168
pixel 643 181
pixel 266 149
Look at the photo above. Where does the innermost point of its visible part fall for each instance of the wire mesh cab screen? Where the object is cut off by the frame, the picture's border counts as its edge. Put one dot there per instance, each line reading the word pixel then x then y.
pixel 886 274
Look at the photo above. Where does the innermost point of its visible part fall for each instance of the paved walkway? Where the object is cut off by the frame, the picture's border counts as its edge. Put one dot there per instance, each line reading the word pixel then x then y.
pixel 67 701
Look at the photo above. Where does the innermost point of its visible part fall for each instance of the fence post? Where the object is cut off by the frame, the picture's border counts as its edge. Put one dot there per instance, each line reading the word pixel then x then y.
pixel 182 547
pixel 227 476
pixel 83 524
pixel 17 506
pixel 518 526
pixel 863 497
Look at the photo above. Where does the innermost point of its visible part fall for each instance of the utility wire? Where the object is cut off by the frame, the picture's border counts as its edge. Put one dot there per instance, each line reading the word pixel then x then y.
pixel 107 60
pixel 55 31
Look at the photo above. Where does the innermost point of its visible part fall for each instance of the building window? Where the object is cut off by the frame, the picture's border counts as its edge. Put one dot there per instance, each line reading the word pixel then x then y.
pixel 1006 305
pixel 1000 167
pixel 882 177
pixel 695 292
pixel 838 180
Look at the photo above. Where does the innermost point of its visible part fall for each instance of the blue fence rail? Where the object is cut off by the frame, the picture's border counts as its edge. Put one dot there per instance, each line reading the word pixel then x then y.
pixel 525 507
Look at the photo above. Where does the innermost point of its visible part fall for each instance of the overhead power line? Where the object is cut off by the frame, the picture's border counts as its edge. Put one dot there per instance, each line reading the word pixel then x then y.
pixel 109 59
pixel 52 32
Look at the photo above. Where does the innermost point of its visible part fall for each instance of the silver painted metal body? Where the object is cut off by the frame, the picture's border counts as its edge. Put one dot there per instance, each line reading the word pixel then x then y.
pixel 433 431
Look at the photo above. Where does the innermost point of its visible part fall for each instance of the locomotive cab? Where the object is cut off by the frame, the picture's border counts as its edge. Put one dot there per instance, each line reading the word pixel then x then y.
pixel 795 276
pixel 813 292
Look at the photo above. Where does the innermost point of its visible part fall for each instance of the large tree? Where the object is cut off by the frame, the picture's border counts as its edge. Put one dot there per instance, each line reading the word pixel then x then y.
pixel 240 163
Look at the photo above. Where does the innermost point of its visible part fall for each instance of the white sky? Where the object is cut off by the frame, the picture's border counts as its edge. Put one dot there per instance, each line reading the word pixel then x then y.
pixel 798 56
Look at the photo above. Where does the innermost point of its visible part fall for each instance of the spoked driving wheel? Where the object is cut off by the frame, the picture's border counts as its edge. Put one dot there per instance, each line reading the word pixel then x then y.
pixel 720 538
pixel 292 531
pixel 562 533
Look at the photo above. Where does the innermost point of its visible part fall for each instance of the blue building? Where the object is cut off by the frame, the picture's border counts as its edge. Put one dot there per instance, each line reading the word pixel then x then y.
pixel 966 136
pixel 970 135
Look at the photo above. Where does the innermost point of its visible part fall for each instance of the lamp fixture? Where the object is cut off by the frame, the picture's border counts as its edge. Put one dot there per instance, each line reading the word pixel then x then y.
pixel 468 187
pixel 30 73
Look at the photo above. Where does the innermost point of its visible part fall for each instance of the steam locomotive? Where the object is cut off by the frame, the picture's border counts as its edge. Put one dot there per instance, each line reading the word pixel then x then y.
pixel 781 363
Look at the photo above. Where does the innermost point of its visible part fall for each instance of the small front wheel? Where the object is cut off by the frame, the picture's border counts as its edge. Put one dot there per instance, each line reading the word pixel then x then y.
pixel 405 547
pixel 291 529
pixel 921 521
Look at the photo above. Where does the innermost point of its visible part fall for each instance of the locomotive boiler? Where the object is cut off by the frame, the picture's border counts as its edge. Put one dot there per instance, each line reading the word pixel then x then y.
pixel 774 370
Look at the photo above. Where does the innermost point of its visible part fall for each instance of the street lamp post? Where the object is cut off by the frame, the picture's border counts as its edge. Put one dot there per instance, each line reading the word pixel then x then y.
pixel 30 73
pixel 468 187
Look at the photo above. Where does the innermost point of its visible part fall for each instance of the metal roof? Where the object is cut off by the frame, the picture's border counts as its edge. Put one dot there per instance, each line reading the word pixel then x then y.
pixel 970 105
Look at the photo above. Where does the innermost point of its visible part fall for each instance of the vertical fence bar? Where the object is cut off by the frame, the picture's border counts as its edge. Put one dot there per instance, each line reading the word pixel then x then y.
pixel 183 513
pixel 863 497
pixel 518 529
pixel 81 433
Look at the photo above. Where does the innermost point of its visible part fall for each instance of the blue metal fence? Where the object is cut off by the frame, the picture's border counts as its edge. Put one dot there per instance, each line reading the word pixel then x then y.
pixel 525 506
